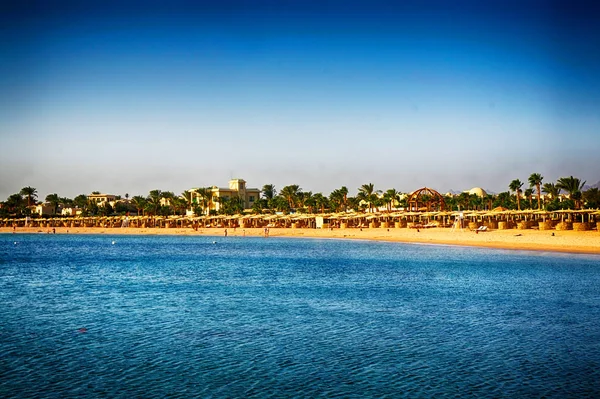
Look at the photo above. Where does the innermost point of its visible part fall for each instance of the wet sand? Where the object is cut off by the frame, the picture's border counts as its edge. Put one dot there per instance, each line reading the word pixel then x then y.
pixel 561 241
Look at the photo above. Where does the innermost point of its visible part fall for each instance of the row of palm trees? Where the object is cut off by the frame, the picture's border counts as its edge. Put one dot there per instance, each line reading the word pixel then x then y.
pixel 21 201
pixel 368 198
pixel 573 186
pixel 292 198
pixel 200 200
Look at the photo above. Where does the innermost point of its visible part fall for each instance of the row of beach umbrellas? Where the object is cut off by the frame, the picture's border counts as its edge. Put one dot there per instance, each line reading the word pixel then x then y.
pixel 501 214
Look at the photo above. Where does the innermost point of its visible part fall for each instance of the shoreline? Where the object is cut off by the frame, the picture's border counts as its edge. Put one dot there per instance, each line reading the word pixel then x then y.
pixel 577 242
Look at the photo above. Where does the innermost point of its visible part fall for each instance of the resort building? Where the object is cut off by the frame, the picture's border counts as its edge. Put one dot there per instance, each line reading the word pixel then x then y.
pixel 101 199
pixel 478 191
pixel 70 211
pixel 42 209
pixel 237 189
pixel 165 201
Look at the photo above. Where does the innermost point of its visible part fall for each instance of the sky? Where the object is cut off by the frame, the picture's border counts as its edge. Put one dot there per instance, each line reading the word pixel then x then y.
pixel 127 97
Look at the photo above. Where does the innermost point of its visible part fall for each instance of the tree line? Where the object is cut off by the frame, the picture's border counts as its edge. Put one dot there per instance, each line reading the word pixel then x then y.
pixel 292 198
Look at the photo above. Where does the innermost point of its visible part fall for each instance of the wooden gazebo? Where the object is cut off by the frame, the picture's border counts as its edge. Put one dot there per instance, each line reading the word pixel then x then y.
pixel 426 199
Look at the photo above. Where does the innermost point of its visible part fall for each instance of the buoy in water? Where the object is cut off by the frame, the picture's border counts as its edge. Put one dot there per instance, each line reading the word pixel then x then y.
pixel 113 243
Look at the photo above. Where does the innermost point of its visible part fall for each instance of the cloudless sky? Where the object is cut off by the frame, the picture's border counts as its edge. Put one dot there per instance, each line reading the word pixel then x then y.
pixel 126 97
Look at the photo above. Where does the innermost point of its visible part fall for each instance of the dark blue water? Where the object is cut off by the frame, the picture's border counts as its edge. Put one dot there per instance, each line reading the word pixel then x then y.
pixel 156 317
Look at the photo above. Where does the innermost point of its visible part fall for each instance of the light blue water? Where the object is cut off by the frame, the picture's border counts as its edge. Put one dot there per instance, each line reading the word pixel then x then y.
pixel 275 318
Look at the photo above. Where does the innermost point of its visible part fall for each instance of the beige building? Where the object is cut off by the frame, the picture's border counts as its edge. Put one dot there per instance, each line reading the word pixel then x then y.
pixel 237 188
pixel 165 201
pixel 101 199
pixel 42 209
pixel 478 191
pixel 70 211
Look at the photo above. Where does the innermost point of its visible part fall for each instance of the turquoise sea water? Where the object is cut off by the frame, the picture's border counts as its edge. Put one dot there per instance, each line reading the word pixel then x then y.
pixel 157 317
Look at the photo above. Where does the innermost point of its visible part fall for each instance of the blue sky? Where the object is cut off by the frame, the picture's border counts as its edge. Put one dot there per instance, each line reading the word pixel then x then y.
pixel 130 98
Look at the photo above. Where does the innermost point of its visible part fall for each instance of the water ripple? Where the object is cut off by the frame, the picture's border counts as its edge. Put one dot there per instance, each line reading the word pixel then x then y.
pixel 178 317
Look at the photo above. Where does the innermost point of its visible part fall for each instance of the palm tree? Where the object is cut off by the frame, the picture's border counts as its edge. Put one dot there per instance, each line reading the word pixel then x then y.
pixel 536 180
pixel 106 209
pixel 259 205
pixel 390 197
pixel 592 197
pixel 463 200
pixel 515 186
pixel 15 203
pixel 490 199
pixel 280 203
pixel 475 201
pixel 551 189
pixel 140 203
pixel 450 201
pixel 306 200
pixel 503 199
pixel 30 193
pixel 368 194
pixel 66 202
pixel 153 201
pixel 320 201
pixel 188 197
pixel 205 196
pixel 344 193
pixel 268 191
pixel 336 199
pixel 80 201
pixel 573 186
pixel 378 202
pixel 291 194
pixel 529 194
pixel 309 201
pixel 54 200
pixel 230 206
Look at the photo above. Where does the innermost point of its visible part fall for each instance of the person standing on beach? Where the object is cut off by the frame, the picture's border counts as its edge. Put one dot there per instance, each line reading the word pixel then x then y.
pixel 225 232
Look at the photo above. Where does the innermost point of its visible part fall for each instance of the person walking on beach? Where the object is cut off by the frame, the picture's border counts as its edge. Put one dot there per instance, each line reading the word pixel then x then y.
pixel 225 232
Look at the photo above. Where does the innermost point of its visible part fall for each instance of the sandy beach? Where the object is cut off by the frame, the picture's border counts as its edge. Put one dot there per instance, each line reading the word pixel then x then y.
pixel 554 241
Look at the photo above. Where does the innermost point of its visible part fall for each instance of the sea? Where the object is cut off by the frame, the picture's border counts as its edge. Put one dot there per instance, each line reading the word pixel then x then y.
pixel 109 316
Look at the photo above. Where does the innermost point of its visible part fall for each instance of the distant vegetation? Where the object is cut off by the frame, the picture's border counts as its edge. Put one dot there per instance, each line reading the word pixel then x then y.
pixel 565 193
